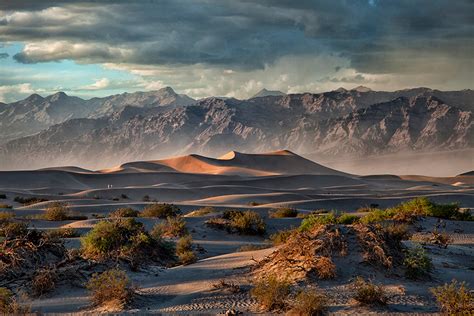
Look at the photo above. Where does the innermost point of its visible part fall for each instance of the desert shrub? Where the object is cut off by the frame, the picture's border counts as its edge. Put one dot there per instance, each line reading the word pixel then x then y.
pixel 367 209
pixel 112 288
pixel 13 229
pixel 124 196
pixel 251 247
pixel 281 236
pixel 146 198
pixel 125 239
pixel 43 281
pixel 173 227
pixel 440 238
pixel 312 220
pixel 242 222
pixel 325 268
pixel 347 219
pixel 3 196
pixel 160 210
pixel 56 211
pixel 417 263
pixel 5 206
pixel 283 212
pixel 6 217
pixel 249 223
pixel 29 200
pixel 9 304
pixel 396 232
pixel 63 233
pixel 376 216
pixel 310 302
pixel 368 293
pixel 184 250
pixel 124 212
pixel 454 298
pixel 271 293
pixel 202 211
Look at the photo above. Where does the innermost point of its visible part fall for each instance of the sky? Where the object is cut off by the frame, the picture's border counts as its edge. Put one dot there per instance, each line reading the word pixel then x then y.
pixel 233 48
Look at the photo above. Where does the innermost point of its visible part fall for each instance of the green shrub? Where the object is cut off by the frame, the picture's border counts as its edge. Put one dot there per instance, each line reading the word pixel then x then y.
pixel 368 293
pixel 123 238
pixel 376 216
pixel 56 211
pixel 417 264
pixel 161 210
pixel 312 220
pixel 347 219
pixel 173 227
pixel 283 212
pixel 454 298
pixel 124 212
pixel 309 302
pixel 281 236
pixel 248 223
pixel 271 293
pixel 184 250
pixel 112 288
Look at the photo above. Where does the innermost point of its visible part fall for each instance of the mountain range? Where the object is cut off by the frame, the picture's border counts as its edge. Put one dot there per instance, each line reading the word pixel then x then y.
pixel 99 132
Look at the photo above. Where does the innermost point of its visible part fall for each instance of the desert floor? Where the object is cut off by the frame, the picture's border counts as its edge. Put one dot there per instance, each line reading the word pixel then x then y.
pixel 238 181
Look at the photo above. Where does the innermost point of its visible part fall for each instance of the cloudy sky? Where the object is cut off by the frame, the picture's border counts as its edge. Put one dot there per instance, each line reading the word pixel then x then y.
pixel 233 47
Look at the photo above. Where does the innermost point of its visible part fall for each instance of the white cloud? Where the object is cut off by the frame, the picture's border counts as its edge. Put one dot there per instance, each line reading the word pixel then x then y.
pixel 97 85
pixel 15 92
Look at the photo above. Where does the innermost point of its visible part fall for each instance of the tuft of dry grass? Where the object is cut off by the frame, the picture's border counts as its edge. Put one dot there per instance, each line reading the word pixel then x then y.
pixel 111 288
pixel 310 302
pixel 325 268
pixel 454 298
pixel 43 282
pixel 9 304
pixel 283 212
pixel 271 293
pixel 368 293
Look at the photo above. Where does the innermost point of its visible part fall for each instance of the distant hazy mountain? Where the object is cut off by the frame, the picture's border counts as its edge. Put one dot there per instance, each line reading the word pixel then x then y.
pixel 35 113
pixel 266 93
pixel 331 124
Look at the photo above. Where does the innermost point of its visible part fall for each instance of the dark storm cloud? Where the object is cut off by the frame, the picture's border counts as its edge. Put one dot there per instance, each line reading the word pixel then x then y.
pixel 380 36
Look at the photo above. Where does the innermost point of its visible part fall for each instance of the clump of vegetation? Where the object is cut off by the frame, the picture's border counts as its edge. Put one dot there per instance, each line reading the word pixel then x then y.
pixel 202 211
pixel 3 196
pixel 454 298
pixel 124 239
pixel 9 305
pixel 281 236
pixel 63 233
pixel 111 288
pixel 184 250
pixel 271 293
pixel 124 212
pixel 283 212
pixel 227 286
pixel 29 200
pixel 368 293
pixel 417 264
pixel 161 210
pixel 146 198
pixel 377 216
pixel 332 218
pixel 56 211
pixel 43 282
pixel 172 227
pixel 242 222
pixel 9 228
pixel 310 302
pixel 5 206
pixel 325 268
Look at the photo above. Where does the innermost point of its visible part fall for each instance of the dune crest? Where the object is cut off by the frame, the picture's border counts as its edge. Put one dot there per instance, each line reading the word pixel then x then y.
pixel 281 162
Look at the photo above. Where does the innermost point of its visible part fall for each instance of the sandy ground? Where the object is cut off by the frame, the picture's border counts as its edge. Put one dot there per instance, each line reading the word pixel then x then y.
pixel 236 181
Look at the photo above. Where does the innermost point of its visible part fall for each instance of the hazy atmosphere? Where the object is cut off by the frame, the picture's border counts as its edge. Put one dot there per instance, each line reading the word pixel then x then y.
pixel 244 157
